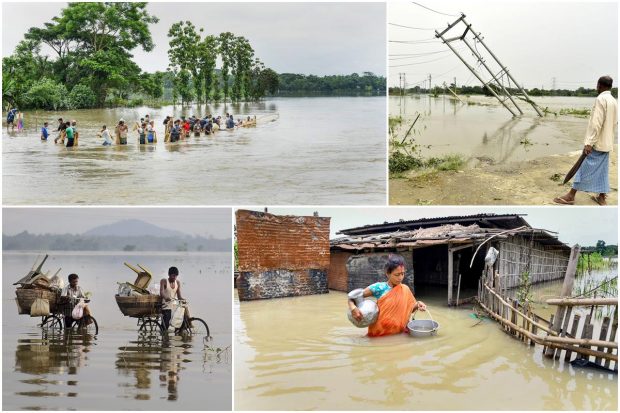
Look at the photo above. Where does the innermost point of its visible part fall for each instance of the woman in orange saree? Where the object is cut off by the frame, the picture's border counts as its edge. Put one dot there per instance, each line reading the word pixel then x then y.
pixel 394 299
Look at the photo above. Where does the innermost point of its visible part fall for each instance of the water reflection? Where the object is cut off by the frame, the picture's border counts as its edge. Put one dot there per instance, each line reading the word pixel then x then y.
pixel 51 353
pixel 154 361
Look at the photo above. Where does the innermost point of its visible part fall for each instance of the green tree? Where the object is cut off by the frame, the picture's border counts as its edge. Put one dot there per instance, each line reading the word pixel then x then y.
pixel 600 246
pixel 184 87
pixel 185 46
pixel 46 94
pixel 226 40
pixel 81 97
pixel 105 34
pixel 207 57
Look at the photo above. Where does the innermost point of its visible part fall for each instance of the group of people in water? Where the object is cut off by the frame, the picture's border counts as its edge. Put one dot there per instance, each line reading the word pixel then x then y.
pixel 181 129
pixel 174 129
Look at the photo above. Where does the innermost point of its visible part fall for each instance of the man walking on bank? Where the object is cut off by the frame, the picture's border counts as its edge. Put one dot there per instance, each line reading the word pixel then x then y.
pixel 593 175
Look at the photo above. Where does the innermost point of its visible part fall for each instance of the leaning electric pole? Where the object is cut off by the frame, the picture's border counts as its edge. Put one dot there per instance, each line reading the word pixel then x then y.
pixel 499 84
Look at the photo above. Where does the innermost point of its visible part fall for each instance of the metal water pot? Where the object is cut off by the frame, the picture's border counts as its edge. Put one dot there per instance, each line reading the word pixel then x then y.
pixel 369 309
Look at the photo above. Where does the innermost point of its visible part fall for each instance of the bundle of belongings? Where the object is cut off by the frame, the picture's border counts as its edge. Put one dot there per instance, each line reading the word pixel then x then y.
pixel 137 299
pixel 38 294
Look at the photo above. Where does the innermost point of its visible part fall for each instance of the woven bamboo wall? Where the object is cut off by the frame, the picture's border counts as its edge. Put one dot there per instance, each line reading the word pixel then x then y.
pixel 545 264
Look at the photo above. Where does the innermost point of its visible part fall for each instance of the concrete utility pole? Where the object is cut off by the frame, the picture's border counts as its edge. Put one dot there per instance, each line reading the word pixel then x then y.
pixel 430 83
pixel 496 84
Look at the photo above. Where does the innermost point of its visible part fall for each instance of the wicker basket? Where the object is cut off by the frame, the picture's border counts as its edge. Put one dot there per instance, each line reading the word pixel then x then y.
pixel 139 305
pixel 26 296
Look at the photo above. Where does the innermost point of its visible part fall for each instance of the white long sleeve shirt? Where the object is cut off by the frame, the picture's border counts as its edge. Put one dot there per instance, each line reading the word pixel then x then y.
pixel 603 123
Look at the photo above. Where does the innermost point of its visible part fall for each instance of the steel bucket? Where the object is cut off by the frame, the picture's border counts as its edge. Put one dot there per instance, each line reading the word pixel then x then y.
pixel 423 328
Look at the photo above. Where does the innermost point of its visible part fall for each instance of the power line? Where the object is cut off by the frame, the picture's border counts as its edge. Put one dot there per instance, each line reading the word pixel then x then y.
pixel 433 40
pixel 434 11
pixel 419 54
pixel 419 63
pixel 409 27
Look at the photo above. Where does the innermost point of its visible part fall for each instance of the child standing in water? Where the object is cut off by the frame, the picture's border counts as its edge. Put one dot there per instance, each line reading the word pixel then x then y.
pixel 20 121
pixel 150 133
pixel 142 134
pixel 105 134
pixel 70 135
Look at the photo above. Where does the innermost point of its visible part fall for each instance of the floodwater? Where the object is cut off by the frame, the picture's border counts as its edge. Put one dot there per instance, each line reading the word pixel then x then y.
pixel 302 353
pixel 319 150
pixel 484 131
pixel 119 369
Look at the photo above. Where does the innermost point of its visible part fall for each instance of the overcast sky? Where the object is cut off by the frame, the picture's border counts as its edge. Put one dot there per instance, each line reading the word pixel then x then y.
pixel 575 42
pixel 309 38
pixel 193 221
pixel 578 225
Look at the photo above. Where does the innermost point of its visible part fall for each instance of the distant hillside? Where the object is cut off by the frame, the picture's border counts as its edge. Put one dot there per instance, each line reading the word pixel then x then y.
pixel 131 228
pixel 26 241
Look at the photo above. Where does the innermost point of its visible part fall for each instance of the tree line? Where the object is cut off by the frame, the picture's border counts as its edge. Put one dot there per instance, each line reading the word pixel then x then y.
pixel 26 241
pixel 92 64
pixel 480 90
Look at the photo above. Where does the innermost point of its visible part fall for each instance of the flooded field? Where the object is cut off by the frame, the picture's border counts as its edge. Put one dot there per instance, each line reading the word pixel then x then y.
pixel 506 160
pixel 119 369
pixel 323 150
pixel 485 129
pixel 302 354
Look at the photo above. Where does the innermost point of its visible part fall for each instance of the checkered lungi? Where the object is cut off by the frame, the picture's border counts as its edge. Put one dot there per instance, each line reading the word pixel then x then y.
pixel 593 175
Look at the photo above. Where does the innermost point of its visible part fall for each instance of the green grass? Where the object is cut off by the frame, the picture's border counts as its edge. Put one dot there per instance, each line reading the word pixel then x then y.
pixel 394 121
pixel 582 113
pixel 400 162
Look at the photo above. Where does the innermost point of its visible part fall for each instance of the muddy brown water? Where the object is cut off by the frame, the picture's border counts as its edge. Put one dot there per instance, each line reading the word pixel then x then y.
pixel 320 150
pixel 119 369
pixel 485 132
pixel 301 353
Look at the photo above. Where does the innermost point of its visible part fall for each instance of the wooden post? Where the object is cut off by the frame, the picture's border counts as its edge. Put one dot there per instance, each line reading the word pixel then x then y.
pixel 567 288
pixel 573 333
pixel 602 336
pixel 450 275
pixel 458 291
pixel 612 336
pixel 513 317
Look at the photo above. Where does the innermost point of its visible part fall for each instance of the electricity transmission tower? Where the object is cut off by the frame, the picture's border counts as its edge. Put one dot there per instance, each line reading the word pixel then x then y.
pixel 501 81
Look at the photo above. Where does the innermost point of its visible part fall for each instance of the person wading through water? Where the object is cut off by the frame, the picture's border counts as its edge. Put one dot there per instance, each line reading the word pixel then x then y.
pixel 169 289
pixel 394 299
pixel 593 175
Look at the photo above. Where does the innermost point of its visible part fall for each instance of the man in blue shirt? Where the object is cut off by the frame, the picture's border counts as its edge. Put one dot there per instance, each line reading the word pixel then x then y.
pixel 44 132
pixel 10 119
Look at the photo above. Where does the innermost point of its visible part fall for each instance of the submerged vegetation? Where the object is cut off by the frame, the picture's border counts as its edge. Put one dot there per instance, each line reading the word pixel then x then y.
pixel 405 152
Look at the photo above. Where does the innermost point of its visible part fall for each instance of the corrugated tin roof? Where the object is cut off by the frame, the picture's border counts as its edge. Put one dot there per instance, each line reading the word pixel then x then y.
pixel 505 221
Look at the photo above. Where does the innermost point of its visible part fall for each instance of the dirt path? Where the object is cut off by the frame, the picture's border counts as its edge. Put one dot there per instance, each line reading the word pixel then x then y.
pixel 519 183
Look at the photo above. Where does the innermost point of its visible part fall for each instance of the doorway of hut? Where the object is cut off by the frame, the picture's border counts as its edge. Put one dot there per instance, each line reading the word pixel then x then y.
pixel 431 273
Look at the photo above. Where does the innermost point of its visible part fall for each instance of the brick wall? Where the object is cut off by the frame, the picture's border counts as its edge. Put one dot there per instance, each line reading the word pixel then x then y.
pixel 281 256
pixel 337 276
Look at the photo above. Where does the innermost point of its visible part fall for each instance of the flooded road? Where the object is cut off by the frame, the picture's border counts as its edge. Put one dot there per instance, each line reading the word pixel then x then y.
pixel 484 131
pixel 322 150
pixel 119 369
pixel 302 353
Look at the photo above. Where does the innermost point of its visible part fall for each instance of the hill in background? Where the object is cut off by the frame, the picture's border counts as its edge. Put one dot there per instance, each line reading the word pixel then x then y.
pixel 126 235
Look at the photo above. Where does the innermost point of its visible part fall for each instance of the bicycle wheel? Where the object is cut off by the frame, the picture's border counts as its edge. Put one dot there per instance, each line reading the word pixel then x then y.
pixel 51 322
pixel 151 326
pixel 196 327
pixel 89 328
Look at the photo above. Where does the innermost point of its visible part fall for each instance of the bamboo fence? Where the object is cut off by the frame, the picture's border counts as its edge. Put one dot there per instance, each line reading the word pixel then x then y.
pixel 568 335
